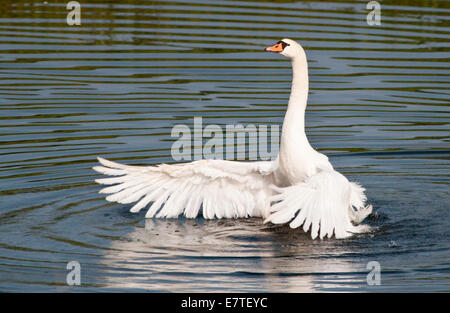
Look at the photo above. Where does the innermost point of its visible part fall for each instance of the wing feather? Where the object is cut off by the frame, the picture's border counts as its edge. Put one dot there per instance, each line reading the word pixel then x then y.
pixel 320 204
pixel 218 188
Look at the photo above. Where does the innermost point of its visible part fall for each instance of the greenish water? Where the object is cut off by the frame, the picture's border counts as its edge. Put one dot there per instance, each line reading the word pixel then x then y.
pixel 116 85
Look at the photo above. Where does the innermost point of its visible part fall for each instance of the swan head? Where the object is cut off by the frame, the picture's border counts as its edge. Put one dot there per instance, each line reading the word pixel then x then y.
pixel 286 47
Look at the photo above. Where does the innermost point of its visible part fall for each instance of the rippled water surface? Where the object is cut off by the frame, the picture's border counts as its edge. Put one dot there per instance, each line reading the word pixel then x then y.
pixel 116 85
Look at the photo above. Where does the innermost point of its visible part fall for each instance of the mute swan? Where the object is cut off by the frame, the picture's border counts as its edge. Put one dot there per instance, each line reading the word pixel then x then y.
pixel 300 187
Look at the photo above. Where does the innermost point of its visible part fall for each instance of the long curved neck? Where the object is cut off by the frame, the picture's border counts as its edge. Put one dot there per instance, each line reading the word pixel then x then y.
pixel 294 121
pixel 294 158
pixel 299 90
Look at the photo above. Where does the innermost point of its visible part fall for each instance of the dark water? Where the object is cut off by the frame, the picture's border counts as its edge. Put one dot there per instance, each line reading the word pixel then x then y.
pixel 116 85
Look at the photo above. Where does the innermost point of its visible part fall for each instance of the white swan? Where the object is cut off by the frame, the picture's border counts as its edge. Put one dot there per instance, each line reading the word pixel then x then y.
pixel 300 187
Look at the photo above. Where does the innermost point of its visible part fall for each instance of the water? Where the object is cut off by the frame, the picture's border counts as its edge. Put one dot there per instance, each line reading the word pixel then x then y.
pixel 116 85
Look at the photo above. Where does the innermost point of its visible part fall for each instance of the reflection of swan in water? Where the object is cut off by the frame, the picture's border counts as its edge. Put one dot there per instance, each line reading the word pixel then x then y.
pixel 300 187
pixel 224 255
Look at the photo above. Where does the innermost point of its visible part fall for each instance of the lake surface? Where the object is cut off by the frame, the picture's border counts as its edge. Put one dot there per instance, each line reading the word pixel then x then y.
pixel 116 85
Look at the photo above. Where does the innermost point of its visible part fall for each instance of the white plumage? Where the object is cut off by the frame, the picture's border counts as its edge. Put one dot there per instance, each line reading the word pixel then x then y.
pixel 300 187
pixel 224 188
pixel 324 204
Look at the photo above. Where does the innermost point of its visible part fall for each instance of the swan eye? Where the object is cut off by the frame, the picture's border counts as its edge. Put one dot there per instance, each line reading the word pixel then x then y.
pixel 283 44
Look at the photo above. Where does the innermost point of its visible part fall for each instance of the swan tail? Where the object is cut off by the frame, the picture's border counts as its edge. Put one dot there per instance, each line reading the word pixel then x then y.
pixel 357 209
pixel 320 204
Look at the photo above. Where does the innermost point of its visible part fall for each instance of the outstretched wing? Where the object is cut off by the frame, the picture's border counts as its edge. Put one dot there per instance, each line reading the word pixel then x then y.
pixel 221 188
pixel 322 203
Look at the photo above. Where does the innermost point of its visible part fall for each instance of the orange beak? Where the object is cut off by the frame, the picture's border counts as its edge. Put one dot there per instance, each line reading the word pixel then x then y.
pixel 278 47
